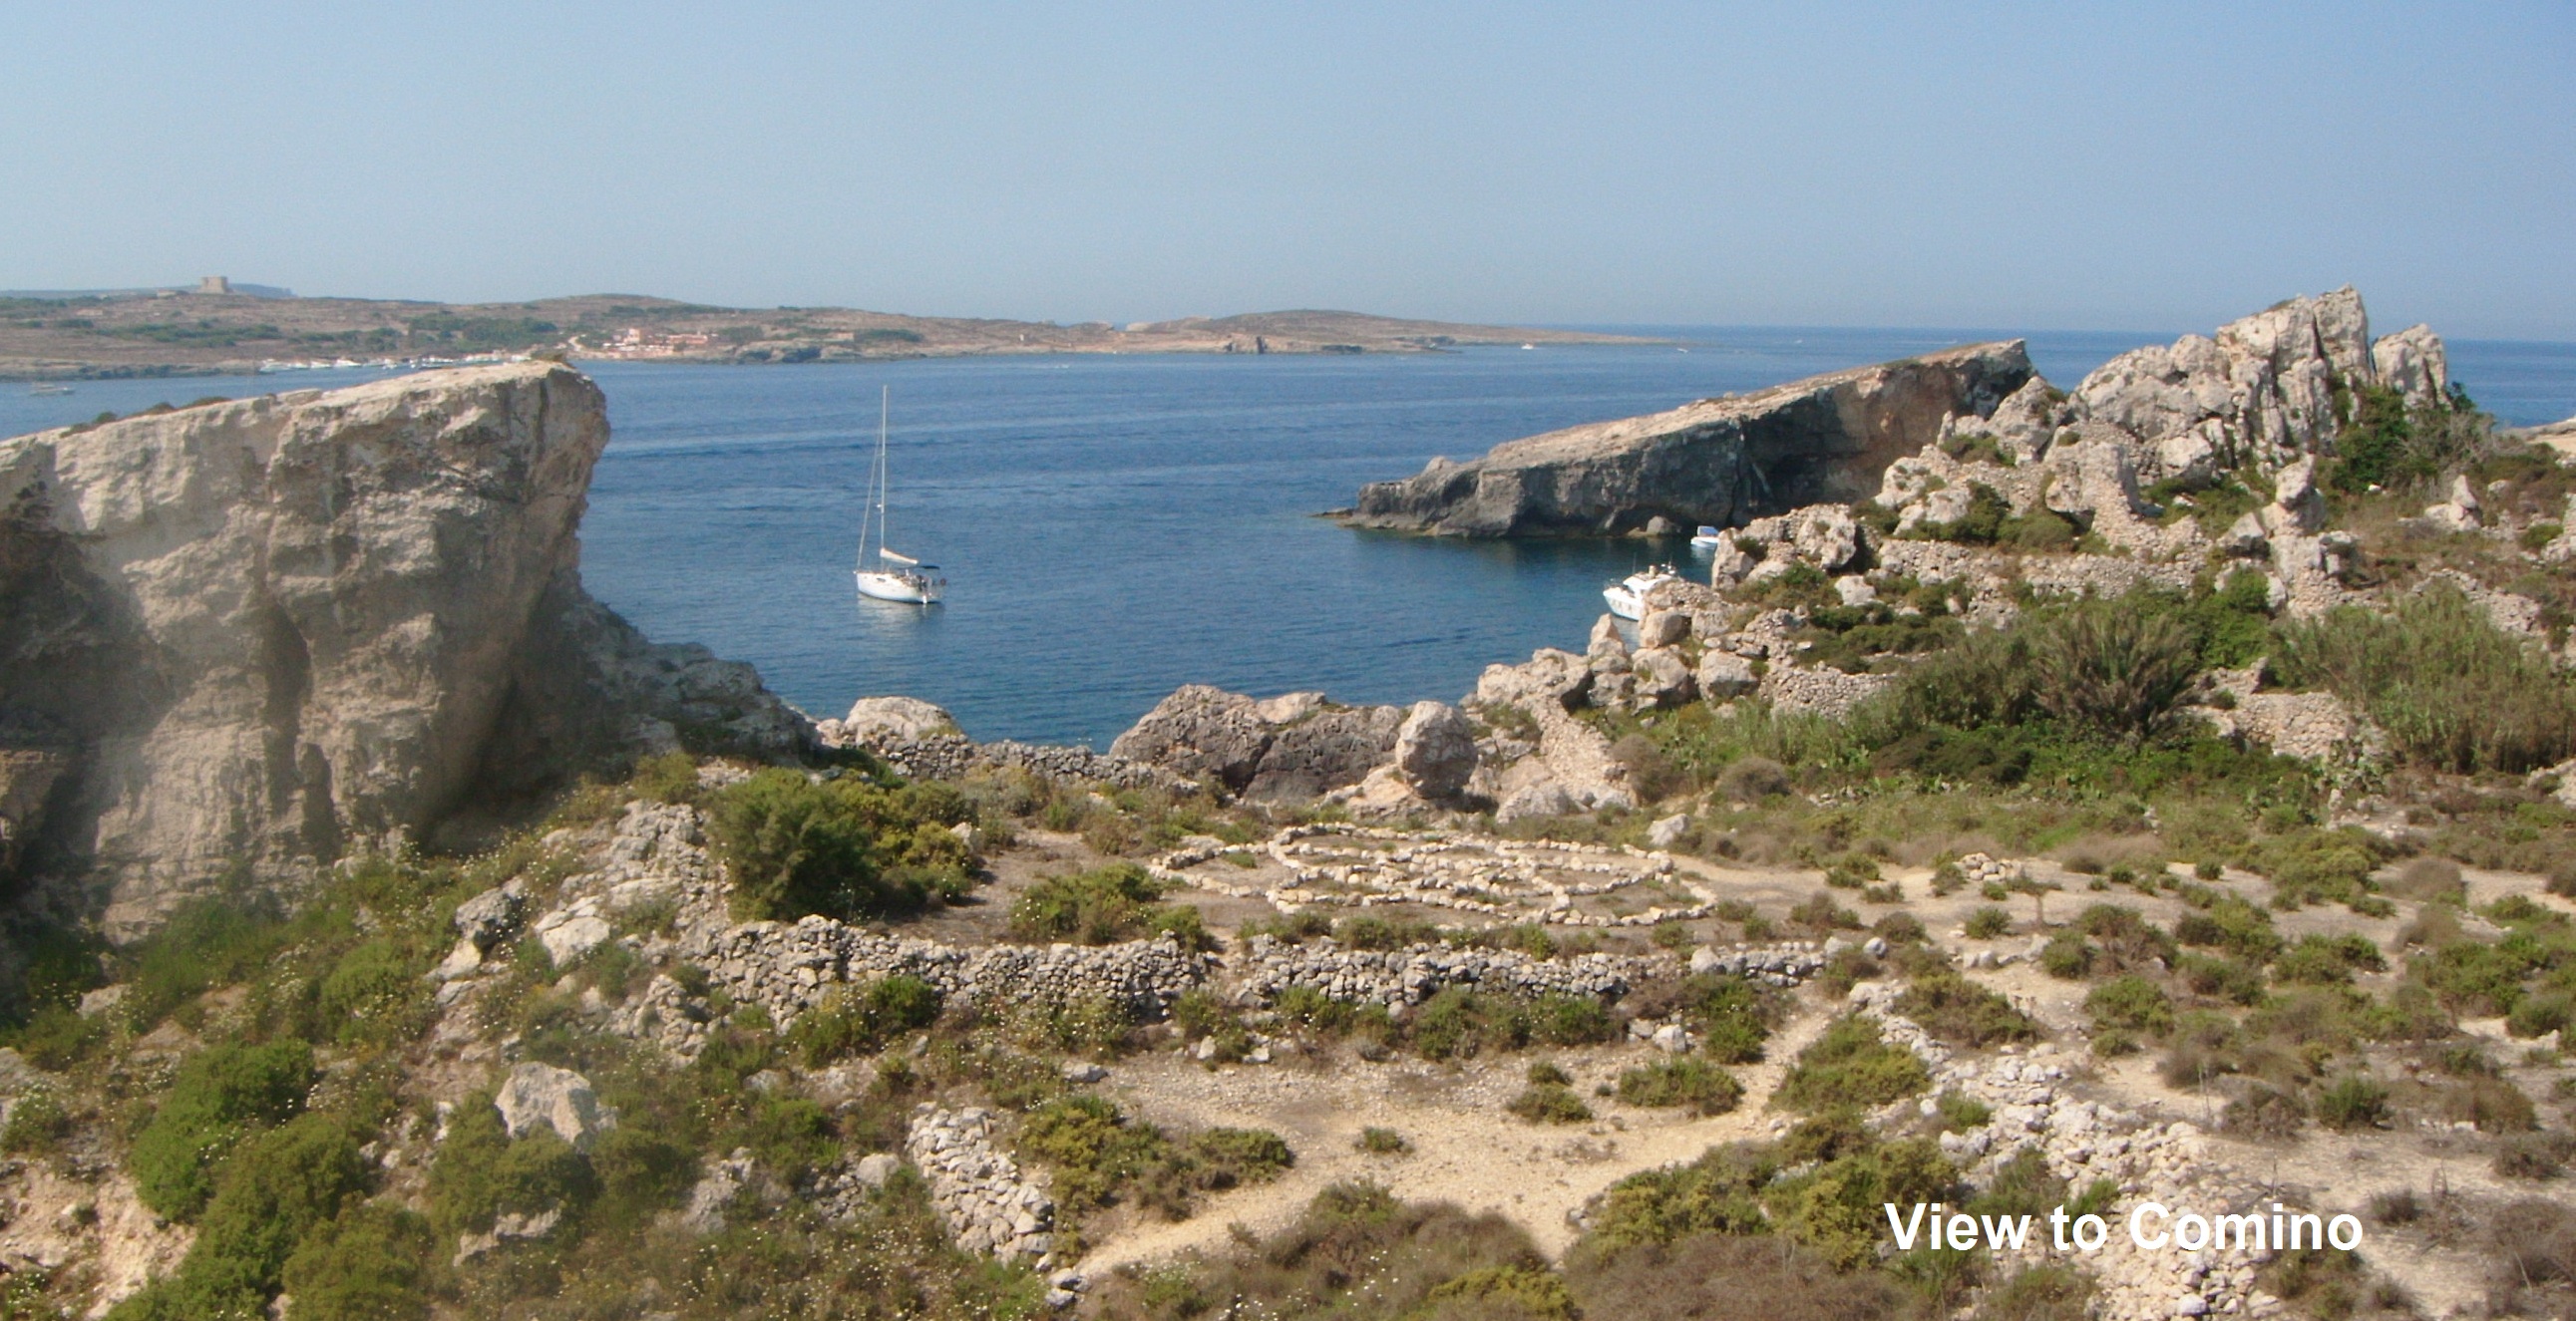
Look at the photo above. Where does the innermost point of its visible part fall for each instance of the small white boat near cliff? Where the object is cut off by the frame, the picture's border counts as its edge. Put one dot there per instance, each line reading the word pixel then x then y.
pixel 890 576
pixel 1627 597
pixel 1708 538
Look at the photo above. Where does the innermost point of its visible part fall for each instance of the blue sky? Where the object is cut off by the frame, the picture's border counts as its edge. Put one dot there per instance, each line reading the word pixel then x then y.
pixel 2060 166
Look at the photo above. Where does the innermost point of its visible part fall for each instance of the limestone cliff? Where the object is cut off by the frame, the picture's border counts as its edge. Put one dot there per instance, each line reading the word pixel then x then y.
pixel 1717 461
pixel 2265 388
pixel 253 634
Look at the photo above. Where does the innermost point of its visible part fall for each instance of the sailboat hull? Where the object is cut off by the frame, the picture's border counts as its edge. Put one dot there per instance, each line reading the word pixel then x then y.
pixel 911 589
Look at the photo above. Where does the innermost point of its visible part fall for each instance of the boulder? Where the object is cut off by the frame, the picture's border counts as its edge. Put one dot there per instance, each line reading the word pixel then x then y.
pixel 1286 749
pixel 876 722
pixel 1667 831
pixel 1717 461
pixel 1545 798
pixel 1435 750
pixel 488 918
pixel 1724 676
pixel 1663 628
pixel 538 1096
pixel 1659 677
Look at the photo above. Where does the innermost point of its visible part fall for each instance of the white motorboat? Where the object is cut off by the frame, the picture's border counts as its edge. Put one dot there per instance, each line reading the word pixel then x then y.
pixel 1627 597
pixel 1708 538
pixel 890 576
pixel 48 388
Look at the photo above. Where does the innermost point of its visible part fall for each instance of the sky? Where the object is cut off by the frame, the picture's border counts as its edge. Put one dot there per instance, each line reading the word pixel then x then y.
pixel 2063 166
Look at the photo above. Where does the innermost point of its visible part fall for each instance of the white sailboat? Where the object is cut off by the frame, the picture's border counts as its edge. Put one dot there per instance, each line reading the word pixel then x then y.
pixel 892 577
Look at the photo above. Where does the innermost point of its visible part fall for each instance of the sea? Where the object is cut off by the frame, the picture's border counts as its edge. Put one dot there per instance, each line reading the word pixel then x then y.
pixel 1113 527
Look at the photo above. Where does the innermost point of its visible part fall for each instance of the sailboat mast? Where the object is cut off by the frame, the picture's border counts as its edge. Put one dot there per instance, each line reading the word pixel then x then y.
pixel 885 396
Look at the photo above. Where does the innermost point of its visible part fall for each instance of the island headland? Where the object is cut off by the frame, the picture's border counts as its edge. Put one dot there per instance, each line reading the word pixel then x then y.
pixel 2160 791
pixel 217 330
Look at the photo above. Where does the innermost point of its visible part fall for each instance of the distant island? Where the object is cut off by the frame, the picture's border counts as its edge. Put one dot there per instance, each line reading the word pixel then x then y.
pixel 219 328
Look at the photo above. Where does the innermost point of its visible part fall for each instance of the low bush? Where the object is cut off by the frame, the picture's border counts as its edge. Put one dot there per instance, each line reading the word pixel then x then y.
pixel 1101 1156
pixel 1989 923
pixel 1719 1277
pixel 860 1020
pixel 2355 1100
pixel 1851 1065
pixel 2535 1156
pixel 1961 1012
pixel 1103 906
pixel 2452 691
pixel 1549 1103
pixel 369 1263
pixel 843 848
pixel 222 1095
pixel 2131 1004
pixel 279 1186
pixel 1382 1142
pixel 1694 1085
pixel 1356 1254
pixel 2320 960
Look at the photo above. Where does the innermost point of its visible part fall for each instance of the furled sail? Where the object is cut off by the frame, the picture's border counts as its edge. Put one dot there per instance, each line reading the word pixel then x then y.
pixel 883 553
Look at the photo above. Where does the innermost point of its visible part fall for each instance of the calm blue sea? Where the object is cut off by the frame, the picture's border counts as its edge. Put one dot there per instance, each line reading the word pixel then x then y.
pixel 1114 527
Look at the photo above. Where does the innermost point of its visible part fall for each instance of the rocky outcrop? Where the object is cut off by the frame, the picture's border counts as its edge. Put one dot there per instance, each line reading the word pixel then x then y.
pixel 1717 461
pixel 260 633
pixel 538 1096
pixel 2267 388
pixel 1283 749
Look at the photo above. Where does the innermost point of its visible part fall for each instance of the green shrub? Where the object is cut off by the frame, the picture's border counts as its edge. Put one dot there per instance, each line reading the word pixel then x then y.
pixel 1961 1111
pixel 2067 956
pixel 1851 1065
pixel 1732 1017
pixel 2319 960
pixel 206 943
pixel 222 1095
pixel 1100 1156
pixel 1382 1142
pixel 1230 1156
pixel 2053 1292
pixel 2131 1004
pixel 860 1020
pixel 279 1186
pixel 1961 1012
pixel 1515 1291
pixel 2234 925
pixel 844 848
pixel 1550 1103
pixel 2355 1100
pixel 1694 1085
pixel 374 993
pixel 369 1263
pixel 36 1124
pixel 1819 912
pixel 2451 689
pixel 481 1172
pixel 1377 933
pixel 1989 923
pixel 1102 906
pixel 2318 866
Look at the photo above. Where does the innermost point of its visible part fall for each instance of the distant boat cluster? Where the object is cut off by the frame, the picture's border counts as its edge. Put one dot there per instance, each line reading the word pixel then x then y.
pixel 267 365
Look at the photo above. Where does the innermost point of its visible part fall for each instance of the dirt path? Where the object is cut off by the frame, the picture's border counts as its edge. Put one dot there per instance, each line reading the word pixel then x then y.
pixel 1465 1148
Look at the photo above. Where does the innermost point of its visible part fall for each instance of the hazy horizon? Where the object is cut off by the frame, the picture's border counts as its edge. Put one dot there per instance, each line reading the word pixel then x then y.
pixel 1763 165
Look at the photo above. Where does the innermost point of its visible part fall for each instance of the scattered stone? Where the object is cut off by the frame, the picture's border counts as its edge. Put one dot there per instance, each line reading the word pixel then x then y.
pixel 542 1096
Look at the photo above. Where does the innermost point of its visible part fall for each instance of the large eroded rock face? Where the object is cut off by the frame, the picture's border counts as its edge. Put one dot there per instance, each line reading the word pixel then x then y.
pixel 257 634
pixel 1718 461
pixel 1283 749
pixel 2268 387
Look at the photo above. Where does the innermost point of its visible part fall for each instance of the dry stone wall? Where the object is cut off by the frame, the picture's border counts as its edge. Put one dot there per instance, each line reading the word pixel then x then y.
pixel 992 1206
pixel 789 967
